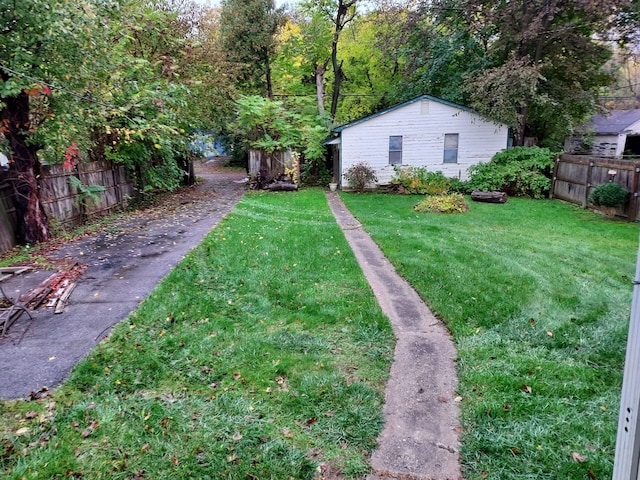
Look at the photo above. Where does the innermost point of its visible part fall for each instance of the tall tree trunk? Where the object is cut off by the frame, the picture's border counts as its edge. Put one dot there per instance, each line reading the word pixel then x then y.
pixel 320 71
pixel 343 16
pixel 268 78
pixel 33 225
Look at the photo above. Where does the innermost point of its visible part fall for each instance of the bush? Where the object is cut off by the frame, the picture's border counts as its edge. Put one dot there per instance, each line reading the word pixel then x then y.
pixel 419 180
pixel 458 186
pixel 609 195
pixel 518 171
pixel 452 203
pixel 359 176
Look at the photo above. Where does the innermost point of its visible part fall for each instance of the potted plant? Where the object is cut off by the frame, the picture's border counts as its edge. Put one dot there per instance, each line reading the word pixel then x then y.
pixel 333 185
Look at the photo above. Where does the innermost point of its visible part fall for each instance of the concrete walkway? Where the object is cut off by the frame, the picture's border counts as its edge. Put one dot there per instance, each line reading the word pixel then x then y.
pixel 124 264
pixel 419 440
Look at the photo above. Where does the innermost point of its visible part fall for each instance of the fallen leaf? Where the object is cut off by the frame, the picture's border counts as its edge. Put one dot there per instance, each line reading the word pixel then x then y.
pixel 287 433
pixel 526 389
pixel 31 414
pixel 591 474
pixel 515 450
pixel 145 447
pixel 311 421
pixel 237 376
pixel 443 399
pixel 458 399
pixel 175 460
pixel 578 458
pixel 550 333
pixel 237 436
pixel 532 322
pixel 23 431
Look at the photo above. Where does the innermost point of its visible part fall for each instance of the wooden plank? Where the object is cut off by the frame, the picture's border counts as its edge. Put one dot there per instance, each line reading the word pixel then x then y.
pixel 15 270
pixel 64 298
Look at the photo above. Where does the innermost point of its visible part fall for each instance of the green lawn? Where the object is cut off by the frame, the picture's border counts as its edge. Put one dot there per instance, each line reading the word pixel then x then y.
pixel 264 355
pixel 537 295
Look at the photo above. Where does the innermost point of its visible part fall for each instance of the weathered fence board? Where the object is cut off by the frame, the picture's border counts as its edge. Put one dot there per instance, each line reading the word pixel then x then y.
pixel 576 175
pixel 7 217
pixel 273 164
pixel 61 200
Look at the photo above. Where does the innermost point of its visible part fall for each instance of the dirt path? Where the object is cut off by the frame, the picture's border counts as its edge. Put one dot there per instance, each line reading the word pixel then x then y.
pixel 124 262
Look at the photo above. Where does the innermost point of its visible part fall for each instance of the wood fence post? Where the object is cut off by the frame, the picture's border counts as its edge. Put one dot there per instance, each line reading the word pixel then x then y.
pixel 633 208
pixel 585 202
pixel 556 165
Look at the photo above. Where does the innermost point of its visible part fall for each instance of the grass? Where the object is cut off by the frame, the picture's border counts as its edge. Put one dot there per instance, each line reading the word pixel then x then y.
pixel 262 355
pixel 537 295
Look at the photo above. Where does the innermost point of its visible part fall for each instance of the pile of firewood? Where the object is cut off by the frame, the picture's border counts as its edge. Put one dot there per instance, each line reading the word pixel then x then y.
pixel 264 181
pixel 53 292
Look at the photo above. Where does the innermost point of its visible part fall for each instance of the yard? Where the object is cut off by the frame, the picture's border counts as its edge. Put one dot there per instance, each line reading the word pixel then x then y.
pixel 537 295
pixel 264 354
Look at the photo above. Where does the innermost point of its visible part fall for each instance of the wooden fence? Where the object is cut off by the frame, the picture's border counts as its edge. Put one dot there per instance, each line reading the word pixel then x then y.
pixel 273 164
pixel 575 175
pixel 63 203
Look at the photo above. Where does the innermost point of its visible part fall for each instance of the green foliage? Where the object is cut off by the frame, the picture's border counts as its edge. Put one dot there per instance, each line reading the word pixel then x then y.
pixel 419 180
pixel 360 175
pixel 609 195
pixel 450 203
pixel 273 126
pixel 247 33
pixel 88 193
pixel 458 186
pixel 518 171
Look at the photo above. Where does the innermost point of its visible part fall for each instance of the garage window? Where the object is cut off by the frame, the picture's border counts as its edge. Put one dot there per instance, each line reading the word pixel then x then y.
pixel 395 150
pixel 451 147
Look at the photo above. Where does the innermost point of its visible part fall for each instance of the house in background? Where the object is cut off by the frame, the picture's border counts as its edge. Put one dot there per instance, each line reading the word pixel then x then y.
pixel 423 132
pixel 613 134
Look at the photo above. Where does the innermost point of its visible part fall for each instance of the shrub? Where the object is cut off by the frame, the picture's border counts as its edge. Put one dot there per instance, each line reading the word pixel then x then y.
pixel 609 195
pixel 458 186
pixel 518 171
pixel 452 203
pixel 419 180
pixel 359 176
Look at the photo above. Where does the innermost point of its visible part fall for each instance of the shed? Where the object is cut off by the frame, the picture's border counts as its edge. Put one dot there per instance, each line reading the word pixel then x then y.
pixel 423 132
pixel 611 134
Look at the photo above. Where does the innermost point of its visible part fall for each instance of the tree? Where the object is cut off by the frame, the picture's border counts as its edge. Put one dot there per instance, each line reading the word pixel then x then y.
pixel 305 53
pixel 550 44
pixel 345 12
pixel 40 46
pixel 247 30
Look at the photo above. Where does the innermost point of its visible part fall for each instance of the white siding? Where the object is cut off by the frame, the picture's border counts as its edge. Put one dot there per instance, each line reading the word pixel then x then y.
pixel 422 139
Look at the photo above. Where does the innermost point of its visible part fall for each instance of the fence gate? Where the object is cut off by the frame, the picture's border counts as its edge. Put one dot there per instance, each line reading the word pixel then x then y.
pixel 627 458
